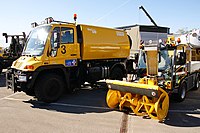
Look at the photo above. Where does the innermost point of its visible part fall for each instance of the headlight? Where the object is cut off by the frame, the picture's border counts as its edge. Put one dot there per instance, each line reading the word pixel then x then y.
pixel 22 79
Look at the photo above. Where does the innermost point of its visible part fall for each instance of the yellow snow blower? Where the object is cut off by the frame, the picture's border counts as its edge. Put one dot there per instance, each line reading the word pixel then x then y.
pixel 144 97
pixel 170 68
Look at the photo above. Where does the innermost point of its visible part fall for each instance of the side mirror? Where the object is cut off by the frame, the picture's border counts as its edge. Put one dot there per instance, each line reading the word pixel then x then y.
pixel 159 57
pixel 56 39
pixel 56 45
pixel 53 53
pixel 144 57
pixel 181 58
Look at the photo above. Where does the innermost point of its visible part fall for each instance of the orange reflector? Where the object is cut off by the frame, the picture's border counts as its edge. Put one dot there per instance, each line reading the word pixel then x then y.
pixel 29 67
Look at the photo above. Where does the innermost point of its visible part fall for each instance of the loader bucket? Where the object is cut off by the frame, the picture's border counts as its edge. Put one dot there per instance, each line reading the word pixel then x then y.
pixel 142 99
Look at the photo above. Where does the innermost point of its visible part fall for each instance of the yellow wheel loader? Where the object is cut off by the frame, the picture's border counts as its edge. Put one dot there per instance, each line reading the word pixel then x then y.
pixel 11 53
pixel 168 71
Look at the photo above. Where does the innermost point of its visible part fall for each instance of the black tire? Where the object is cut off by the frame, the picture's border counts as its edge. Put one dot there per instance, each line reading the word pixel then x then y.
pixel 49 87
pixel 30 92
pixel 197 84
pixel 1 68
pixel 180 96
pixel 117 74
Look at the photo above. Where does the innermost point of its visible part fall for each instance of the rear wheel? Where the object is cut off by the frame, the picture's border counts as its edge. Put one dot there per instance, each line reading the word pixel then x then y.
pixel 117 74
pixel 30 92
pixel 197 85
pixel 181 92
pixel 49 87
pixel 1 68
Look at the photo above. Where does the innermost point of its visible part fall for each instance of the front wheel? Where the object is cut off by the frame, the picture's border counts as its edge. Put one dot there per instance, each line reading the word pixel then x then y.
pixel 49 87
pixel 181 92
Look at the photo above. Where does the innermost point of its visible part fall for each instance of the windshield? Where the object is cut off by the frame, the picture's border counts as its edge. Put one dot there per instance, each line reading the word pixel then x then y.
pixel 164 62
pixel 36 41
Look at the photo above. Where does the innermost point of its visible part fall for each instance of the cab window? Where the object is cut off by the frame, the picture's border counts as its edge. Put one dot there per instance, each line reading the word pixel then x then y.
pixel 67 35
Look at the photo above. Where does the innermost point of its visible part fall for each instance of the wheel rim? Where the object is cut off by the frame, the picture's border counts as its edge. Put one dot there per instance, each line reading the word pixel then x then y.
pixel 197 83
pixel 183 92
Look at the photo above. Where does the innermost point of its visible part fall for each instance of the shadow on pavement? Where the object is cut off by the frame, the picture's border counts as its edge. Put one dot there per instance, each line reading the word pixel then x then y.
pixel 87 100
pixel 183 119
pixel 186 113
pixel 80 102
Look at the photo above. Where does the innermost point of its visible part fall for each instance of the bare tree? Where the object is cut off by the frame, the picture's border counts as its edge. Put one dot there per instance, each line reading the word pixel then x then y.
pixel 184 30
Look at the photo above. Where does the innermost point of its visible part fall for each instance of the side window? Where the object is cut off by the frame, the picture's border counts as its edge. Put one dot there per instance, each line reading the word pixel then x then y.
pixel 67 35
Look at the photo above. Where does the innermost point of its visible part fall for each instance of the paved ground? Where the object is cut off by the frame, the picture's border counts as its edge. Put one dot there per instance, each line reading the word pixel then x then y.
pixel 86 111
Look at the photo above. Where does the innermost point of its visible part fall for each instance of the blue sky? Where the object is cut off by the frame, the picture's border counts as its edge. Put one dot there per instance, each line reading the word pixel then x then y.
pixel 17 15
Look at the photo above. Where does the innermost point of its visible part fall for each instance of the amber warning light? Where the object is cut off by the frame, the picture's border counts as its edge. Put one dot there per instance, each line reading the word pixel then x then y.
pixel 75 17
pixel 179 40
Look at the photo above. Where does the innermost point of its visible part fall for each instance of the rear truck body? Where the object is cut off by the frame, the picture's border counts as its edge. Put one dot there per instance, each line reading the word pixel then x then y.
pixel 60 56
pixel 169 70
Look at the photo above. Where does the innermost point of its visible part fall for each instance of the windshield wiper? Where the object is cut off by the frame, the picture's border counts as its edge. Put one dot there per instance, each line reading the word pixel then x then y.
pixel 27 54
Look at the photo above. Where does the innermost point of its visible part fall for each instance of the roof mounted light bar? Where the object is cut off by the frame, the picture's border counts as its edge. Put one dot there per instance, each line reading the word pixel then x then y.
pixel 48 21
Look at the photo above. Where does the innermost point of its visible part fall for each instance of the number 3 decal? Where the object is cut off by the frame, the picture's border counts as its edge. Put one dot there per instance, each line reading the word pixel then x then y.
pixel 63 51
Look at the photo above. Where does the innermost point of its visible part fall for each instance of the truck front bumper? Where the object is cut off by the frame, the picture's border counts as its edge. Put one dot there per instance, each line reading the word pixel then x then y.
pixel 17 80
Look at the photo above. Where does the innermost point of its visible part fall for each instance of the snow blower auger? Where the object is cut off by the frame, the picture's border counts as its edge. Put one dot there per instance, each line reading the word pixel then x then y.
pixel 145 97
pixel 142 99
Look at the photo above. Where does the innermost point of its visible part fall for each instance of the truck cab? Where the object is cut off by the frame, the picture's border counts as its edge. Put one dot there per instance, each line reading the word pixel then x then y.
pixel 47 44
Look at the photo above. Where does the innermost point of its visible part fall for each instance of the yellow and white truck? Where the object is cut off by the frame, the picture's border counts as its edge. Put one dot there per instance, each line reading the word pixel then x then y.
pixel 60 56
pixel 170 70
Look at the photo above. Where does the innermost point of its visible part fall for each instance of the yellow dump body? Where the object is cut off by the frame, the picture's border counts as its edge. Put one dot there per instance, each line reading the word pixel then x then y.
pixel 103 43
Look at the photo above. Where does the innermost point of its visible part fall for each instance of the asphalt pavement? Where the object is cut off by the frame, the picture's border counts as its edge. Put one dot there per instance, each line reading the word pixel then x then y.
pixel 85 111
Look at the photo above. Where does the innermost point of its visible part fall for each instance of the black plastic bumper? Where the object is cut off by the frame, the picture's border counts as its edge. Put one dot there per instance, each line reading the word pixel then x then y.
pixel 12 80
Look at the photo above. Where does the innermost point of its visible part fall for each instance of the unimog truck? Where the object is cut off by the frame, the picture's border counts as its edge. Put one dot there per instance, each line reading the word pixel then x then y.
pixel 60 56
